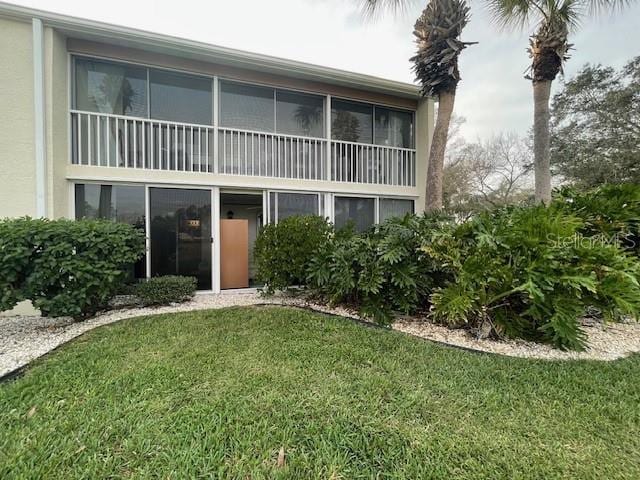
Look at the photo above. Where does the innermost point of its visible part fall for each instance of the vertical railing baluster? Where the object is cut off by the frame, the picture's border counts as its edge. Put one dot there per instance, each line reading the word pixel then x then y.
pixel 144 145
pixel 184 148
pixel 126 142
pixel 89 146
pixel 175 148
pixel 191 142
pixel 253 157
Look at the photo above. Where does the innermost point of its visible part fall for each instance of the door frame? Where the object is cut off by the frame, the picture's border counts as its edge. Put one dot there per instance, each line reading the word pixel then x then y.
pixel 216 192
pixel 214 209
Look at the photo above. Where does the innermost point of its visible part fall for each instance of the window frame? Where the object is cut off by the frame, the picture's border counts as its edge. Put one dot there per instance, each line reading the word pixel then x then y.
pixel 216 80
pixel 373 121
pixel 148 67
pixel 320 195
pixel 275 89
pixel 375 199
pixel 408 199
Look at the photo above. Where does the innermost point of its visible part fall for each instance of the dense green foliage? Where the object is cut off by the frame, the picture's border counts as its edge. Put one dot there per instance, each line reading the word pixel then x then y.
pixel 166 290
pixel 282 251
pixel 530 273
pixel 216 394
pixel 611 213
pixel 379 271
pixel 65 267
pixel 596 126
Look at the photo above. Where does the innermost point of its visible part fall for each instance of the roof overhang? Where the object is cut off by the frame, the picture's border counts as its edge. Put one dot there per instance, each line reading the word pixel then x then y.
pixel 130 37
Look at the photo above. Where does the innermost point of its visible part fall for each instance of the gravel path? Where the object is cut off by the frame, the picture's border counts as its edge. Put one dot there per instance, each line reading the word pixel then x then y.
pixel 25 338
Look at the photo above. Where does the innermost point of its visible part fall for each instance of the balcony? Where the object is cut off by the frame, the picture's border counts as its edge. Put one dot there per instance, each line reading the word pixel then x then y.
pixel 126 142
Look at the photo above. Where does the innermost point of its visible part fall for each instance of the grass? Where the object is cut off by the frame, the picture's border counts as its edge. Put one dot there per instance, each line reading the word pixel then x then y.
pixel 216 394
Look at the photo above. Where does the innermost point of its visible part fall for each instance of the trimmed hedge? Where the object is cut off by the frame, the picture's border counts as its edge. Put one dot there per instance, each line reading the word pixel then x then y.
pixel 282 251
pixel 65 267
pixel 166 290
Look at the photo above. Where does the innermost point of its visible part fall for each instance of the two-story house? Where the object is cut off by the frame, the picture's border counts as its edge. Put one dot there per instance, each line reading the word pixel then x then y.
pixel 184 139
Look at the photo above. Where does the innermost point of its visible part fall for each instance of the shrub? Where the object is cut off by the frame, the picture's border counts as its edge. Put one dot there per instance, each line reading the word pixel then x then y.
pixel 65 267
pixel 611 212
pixel 166 290
pixel 282 251
pixel 529 273
pixel 380 271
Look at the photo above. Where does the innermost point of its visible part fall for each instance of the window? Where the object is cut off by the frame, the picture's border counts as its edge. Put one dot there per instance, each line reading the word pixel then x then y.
pixel 351 121
pixel 299 114
pixel 353 210
pixel 111 88
pixel 394 207
pixel 119 203
pixel 283 205
pixel 247 107
pixel 393 128
pixel 180 98
pixel 364 123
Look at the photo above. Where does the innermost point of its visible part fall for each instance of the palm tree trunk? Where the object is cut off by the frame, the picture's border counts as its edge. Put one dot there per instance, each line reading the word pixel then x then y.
pixel 542 167
pixel 436 155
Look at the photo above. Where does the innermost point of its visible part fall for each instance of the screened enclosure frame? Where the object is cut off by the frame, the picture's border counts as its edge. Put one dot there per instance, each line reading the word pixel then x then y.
pixel 326 208
pixel 376 198
pixel 128 140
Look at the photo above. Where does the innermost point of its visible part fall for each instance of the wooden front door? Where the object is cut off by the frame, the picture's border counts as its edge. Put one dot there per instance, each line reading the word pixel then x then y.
pixel 234 253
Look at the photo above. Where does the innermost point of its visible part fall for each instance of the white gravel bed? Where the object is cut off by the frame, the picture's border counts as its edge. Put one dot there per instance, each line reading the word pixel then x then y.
pixel 25 338
pixel 605 342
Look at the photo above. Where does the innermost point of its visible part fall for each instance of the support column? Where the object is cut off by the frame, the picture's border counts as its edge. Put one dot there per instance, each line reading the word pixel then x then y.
pixel 215 227
pixel 327 135
pixel 39 110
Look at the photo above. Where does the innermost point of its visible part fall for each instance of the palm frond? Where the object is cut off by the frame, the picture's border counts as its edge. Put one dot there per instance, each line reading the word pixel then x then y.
pixel 598 7
pixel 512 13
pixel 567 12
pixel 372 8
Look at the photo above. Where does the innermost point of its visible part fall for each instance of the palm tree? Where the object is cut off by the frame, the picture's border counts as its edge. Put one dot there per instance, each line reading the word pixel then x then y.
pixel 437 33
pixel 548 50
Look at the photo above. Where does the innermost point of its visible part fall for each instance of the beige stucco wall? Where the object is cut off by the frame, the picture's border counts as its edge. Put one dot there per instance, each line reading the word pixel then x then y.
pixel 17 160
pixel 57 122
pixel 424 132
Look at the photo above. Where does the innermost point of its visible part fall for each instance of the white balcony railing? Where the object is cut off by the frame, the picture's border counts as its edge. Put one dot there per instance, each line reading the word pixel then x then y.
pixel 242 152
pixel 105 140
pixel 378 164
pixel 118 141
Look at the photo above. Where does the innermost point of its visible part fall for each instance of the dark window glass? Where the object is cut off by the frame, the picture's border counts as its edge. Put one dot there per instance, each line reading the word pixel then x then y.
pixel 299 114
pixel 181 233
pixel 357 211
pixel 351 121
pixel 247 107
pixel 119 203
pixel 114 88
pixel 180 98
pixel 394 207
pixel 394 128
pixel 290 204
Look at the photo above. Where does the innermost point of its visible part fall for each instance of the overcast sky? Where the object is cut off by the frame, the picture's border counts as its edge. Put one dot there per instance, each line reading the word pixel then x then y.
pixel 493 96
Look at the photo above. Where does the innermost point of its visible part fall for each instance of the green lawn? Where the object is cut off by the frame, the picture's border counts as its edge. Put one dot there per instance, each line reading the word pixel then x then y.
pixel 216 394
